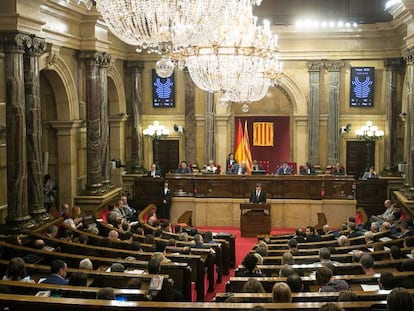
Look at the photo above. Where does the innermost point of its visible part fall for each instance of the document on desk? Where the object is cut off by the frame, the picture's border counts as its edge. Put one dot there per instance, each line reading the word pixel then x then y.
pixel 370 287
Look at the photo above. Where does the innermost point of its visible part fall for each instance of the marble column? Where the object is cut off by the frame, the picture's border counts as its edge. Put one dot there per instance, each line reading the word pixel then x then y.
pixel 18 217
pixel 210 128
pixel 92 60
pixel 134 71
pixel 190 120
pixel 409 176
pixel 34 130
pixel 334 69
pixel 314 69
pixel 104 60
pixel 392 66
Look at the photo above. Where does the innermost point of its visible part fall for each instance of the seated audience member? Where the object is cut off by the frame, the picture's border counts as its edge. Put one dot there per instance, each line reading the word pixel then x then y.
pixel 323 278
pixel 408 241
pixel 281 293
pixel 375 227
pixel 399 299
pixel 117 267
pixel 386 280
pixel 284 169
pixel 343 241
pixel 256 166
pixel 78 279
pixel 369 237
pixel 86 264
pixel 211 168
pixel 286 271
pixel 331 306
pixel 67 235
pixel 58 270
pixel 252 286
pixel 259 259
pixel 353 230
pixel 367 263
pixel 183 168
pixel 295 283
pixel 106 293
pixel 307 169
pixel 293 247
pixel 77 217
pixel 299 235
pixel 65 211
pixel 406 229
pixel 287 259
pixel 347 296
pixel 249 267
pixel 262 248
pixel 134 283
pixel 389 209
pixel 199 242
pixel 311 235
pixel 230 162
pixel 16 271
pixel 408 265
pixel 338 169
pixel 51 231
pixel 370 174
pixel 113 235
pixel 154 172
pixel 239 169
pixel 325 257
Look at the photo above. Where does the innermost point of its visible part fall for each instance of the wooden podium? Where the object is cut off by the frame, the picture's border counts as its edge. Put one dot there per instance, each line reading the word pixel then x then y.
pixel 254 219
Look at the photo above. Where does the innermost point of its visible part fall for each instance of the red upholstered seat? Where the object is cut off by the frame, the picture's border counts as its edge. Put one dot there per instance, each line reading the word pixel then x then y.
pixel 265 164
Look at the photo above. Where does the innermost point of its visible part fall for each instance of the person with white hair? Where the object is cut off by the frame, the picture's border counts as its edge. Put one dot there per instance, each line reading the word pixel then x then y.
pixel 86 264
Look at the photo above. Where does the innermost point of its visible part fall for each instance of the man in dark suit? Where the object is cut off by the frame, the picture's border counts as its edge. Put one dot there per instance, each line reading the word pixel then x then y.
pixel 58 273
pixel 154 172
pixel 284 169
pixel 258 195
pixel 166 200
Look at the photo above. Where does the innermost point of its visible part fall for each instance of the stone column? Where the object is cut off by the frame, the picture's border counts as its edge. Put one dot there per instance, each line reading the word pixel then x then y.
pixel 210 128
pixel 409 176
pixel 104 60
pixel 334 68
pixel 68 144
pixel 190 120
pixel 134 71
pixel 34 130
pixel 18 217
pixel 313 111
pixel 92 60
pixel 392 67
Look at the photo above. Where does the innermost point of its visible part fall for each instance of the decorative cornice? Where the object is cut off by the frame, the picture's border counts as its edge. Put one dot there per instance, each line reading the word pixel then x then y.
pixel 394 63
pixel 94 58
pixel 409 56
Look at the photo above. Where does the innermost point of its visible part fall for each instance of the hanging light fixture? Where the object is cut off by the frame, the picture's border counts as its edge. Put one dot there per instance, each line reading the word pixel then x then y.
pixel 237 52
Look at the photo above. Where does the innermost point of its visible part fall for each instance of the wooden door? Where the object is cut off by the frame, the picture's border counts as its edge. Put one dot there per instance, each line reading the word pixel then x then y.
pixel 168 155
pixel 357 157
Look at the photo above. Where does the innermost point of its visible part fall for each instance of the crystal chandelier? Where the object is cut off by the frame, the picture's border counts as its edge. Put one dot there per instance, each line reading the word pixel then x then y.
pixel 156 131
pixel 159 26
pixel 238 51
pixel 369 132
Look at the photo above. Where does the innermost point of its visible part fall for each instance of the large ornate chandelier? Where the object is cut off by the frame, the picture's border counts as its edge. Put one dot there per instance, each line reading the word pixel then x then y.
pixel 239 51
pixel 160 26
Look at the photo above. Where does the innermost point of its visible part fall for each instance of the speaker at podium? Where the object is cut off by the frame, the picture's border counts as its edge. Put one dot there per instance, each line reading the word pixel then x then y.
pixel 254 219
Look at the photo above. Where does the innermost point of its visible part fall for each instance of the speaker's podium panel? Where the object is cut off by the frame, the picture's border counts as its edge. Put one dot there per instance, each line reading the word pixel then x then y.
pixel 254 219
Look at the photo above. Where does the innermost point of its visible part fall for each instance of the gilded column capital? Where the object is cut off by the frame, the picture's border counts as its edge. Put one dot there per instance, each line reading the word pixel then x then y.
pixel 335 65
pixel 38 47
pixel 315 65
pixel 95 58
pixel 409 56
pixel 16 42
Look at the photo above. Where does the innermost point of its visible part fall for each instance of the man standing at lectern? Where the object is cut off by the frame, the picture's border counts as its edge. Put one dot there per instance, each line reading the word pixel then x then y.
pixel 258 195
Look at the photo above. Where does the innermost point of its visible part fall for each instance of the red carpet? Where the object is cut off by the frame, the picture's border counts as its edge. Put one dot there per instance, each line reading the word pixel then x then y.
pixel 243 246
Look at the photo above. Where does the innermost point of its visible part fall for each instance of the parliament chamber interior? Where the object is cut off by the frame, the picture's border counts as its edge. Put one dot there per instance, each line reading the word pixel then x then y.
pixel 206 155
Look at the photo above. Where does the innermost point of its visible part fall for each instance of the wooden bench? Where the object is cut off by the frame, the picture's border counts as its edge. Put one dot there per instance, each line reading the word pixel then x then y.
pixel 179 272
pixel 21 302
pixel 308 297
pixel 235 284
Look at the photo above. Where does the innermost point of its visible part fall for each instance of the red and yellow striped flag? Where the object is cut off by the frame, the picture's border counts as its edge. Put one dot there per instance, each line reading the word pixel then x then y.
pixel 238 154
pixel 262 133
pixel 246 149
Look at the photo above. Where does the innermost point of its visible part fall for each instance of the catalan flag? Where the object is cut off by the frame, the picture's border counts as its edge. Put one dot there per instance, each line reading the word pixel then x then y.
pixel 263 134
pixel 246 149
